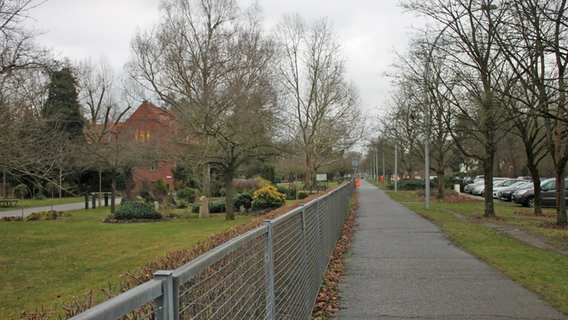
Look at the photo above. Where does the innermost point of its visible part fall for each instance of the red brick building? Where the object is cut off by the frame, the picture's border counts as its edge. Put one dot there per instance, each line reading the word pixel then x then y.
pixel 150 128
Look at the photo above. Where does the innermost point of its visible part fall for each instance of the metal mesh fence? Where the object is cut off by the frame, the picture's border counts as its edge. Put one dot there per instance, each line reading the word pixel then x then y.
pixel 272 272
pixel 231 288
pixel 283 266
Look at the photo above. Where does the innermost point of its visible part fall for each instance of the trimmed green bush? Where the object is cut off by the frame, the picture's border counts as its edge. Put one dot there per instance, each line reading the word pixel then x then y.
pixel 302 194
pixel 136 210
pixel 242 200
pixel 408 185
pixel 267 197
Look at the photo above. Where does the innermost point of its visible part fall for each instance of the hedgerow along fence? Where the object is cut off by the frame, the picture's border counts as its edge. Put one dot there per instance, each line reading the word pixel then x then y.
pixel 272 272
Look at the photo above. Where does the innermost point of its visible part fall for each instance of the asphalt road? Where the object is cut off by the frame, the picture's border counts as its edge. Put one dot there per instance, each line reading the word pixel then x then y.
pixel 403 267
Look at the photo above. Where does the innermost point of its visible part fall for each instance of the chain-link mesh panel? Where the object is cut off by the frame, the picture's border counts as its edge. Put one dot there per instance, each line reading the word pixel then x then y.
pixel 289 268
pixel 231 288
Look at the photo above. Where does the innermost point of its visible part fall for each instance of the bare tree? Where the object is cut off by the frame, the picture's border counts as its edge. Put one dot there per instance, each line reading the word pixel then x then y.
pixel 26 148
pixel 209 61
pixel 469 29
pixel 322 106
pixel 99 95
pixel 535 47
pixel 424 114
pixel 402 126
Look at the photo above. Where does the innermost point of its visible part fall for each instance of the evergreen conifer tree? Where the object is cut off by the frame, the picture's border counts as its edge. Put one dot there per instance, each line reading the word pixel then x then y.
pixel 62 111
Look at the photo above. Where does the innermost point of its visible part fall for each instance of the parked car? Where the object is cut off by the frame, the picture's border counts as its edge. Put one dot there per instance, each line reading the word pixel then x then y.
pixel 547 192
pixel 468 188
pixel 479 190
pixel 506 193
pixel 505 184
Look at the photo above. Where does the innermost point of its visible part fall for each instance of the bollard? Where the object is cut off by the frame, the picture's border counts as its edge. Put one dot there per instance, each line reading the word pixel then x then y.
pixel 86 201
pixel 94 200
pixel 106 199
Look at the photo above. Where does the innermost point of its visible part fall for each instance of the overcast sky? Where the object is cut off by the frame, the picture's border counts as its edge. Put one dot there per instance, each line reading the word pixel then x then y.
pixel 370 31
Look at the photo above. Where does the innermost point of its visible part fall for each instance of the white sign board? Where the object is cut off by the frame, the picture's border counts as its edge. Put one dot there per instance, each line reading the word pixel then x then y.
pixel 321 177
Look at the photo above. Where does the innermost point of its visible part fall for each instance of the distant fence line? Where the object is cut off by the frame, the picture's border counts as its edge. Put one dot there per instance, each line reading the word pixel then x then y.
pixel 272 272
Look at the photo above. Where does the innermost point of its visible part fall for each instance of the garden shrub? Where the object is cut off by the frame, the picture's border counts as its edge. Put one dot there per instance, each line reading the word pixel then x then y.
pixel 262 182
pixel 187 194
pixel 289 192
pixel 161 188
pixel 407 185
pixel 267 197
pixel 40 196
pixel 34 216
pixel 242 200
pixel 136 210
pixel 182 204
pixel 217 206
pixel 267 172
pixel 302 194
pixel 13 218
pixel 147 195
pixel 45 215
pixel 245 185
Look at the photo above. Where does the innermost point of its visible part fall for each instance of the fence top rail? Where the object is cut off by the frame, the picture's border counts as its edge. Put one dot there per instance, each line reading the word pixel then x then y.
pixel 195 266
pixel 278 220
pixel 124 303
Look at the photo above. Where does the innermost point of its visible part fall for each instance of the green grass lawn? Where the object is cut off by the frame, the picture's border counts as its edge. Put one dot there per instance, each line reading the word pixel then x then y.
pixel 541 271
pixel 44 263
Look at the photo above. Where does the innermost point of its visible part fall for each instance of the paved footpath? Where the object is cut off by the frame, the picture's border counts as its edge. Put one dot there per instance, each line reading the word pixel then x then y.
pixel 27 211
pixel 403 267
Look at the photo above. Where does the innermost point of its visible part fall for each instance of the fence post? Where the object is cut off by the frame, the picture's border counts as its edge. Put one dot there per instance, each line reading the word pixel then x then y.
pixel 269 271
pixel 165 304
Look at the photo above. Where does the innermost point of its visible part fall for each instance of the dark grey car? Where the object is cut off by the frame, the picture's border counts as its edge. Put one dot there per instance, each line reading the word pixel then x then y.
pixel 547 191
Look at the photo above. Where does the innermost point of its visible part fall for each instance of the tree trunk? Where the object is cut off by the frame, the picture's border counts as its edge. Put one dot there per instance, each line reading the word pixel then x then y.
pixel 560 199
pixel 441 185
pixel 308 177
pixel 4 184
pixel 229 214
pixel 113 190
pixel 561 218
pixel 60 182
pixel 535 175
pixel 488 182
pixel 100 187
pixel 129 183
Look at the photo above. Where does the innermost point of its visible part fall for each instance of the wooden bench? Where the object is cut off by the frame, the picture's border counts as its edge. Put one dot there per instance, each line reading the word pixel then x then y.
pixel 8 202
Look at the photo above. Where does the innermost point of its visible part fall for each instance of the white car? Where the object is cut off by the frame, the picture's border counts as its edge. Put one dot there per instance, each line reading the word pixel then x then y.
pixel 480 189
pixel 506 184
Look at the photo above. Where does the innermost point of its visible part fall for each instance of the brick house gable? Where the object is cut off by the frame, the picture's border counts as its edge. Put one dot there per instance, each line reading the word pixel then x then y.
pixel 150 124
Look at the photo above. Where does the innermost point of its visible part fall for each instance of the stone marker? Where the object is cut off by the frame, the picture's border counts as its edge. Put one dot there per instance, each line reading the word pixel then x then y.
pixel 203 207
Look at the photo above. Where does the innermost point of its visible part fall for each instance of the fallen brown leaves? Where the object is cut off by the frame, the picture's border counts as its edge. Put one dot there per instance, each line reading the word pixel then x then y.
pixel 327 301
